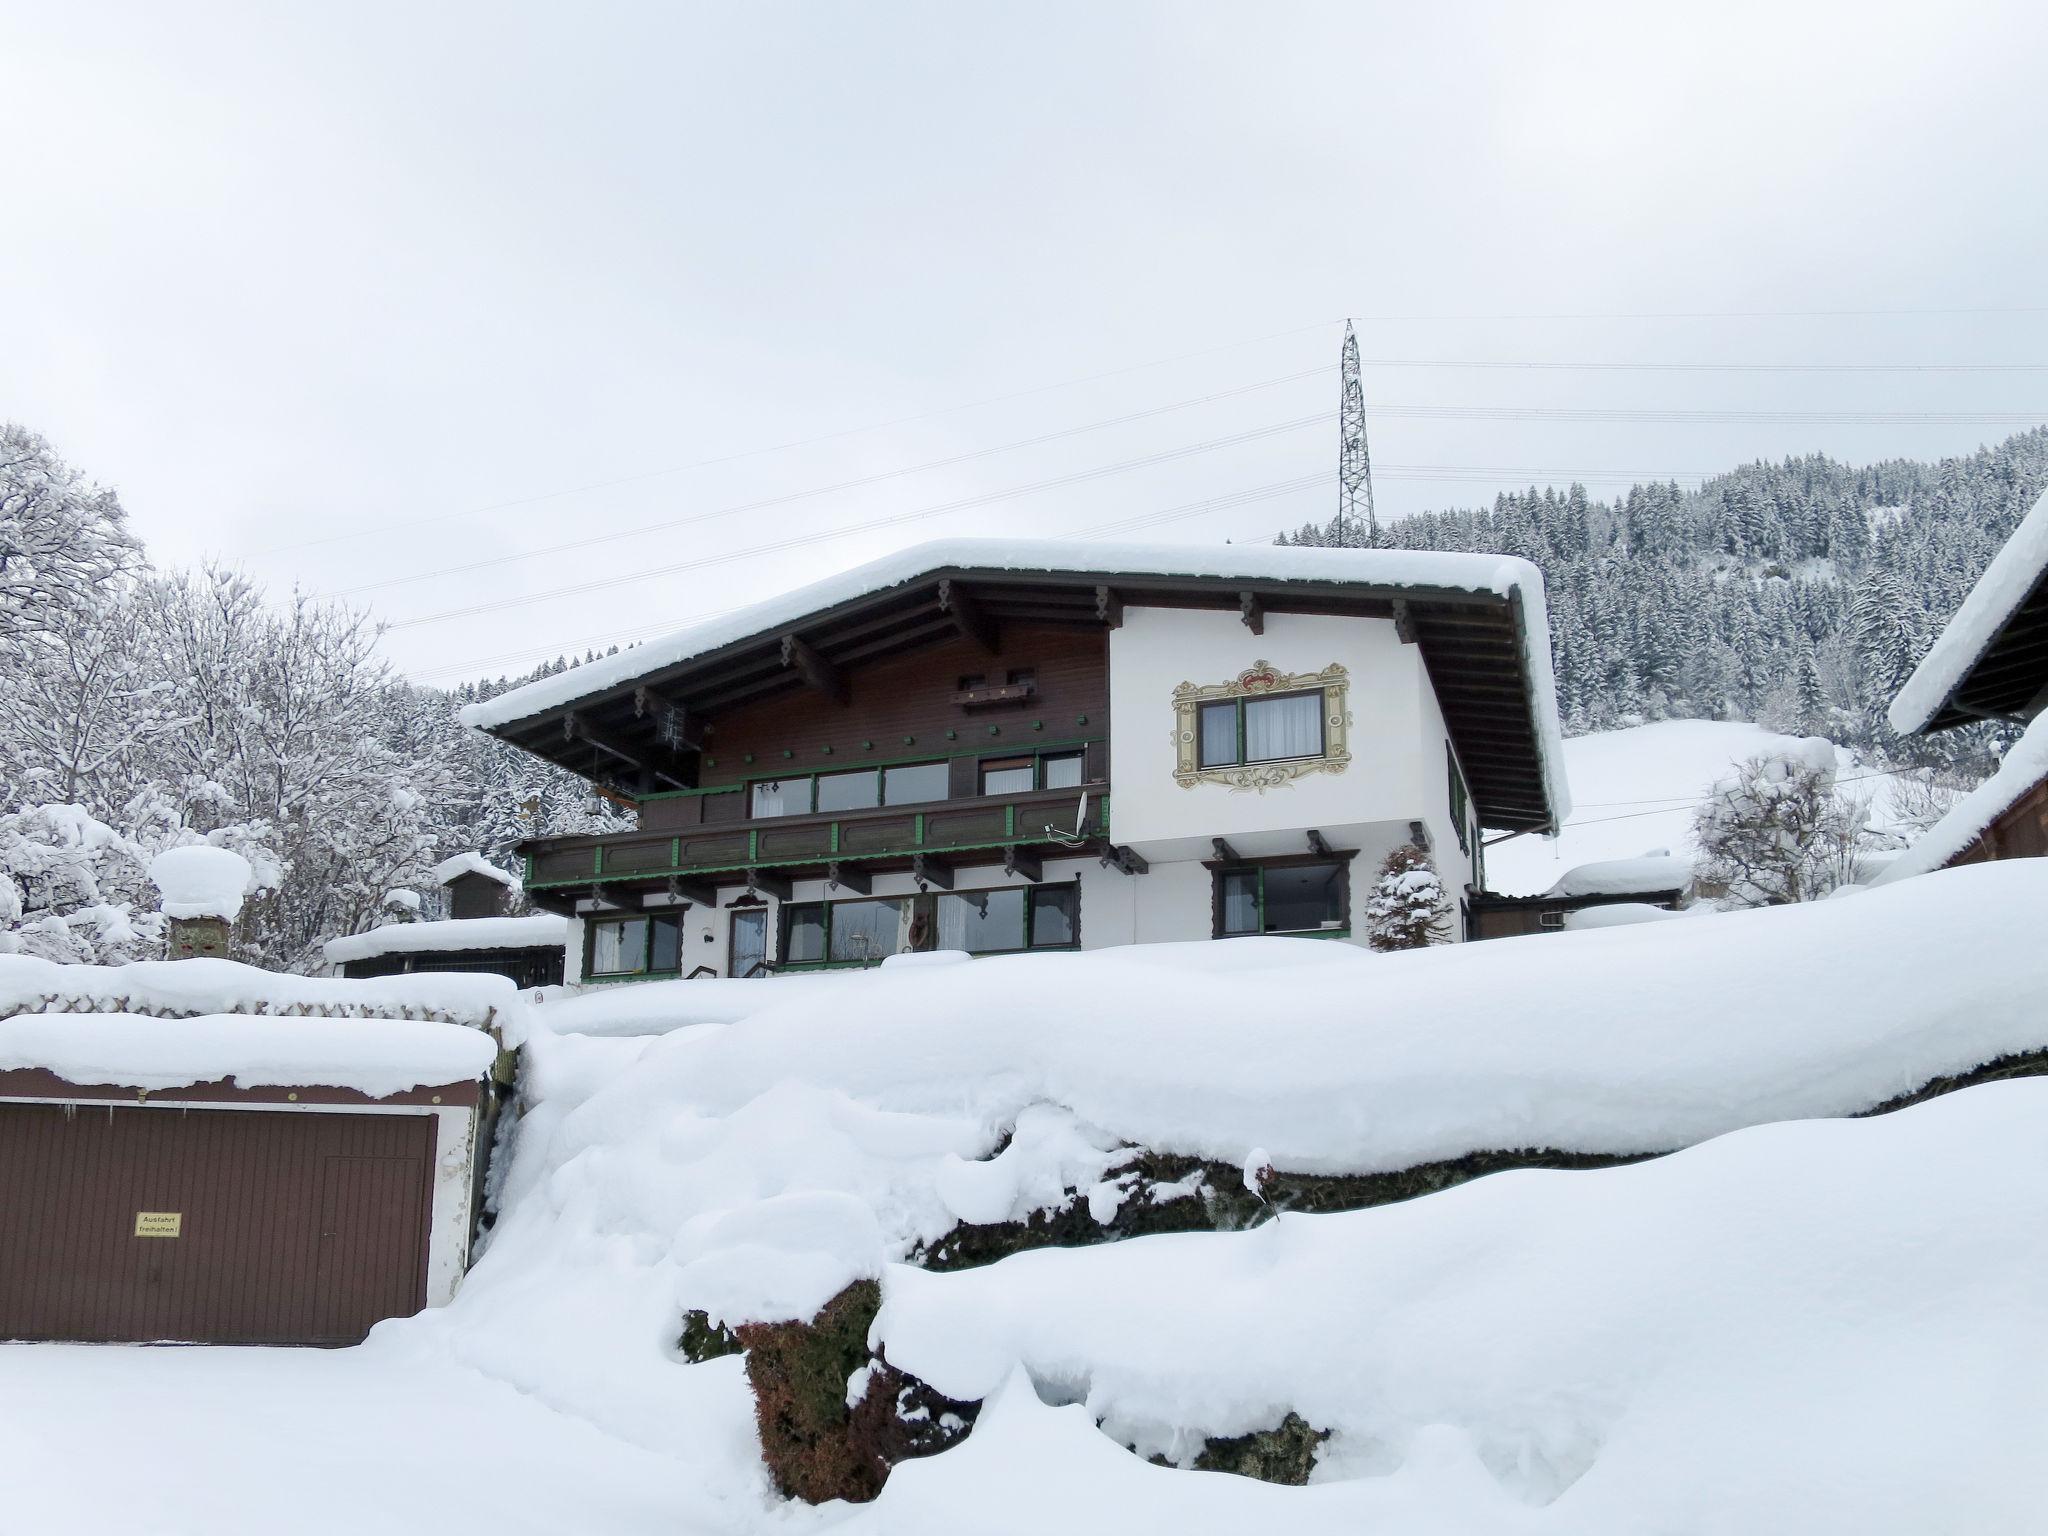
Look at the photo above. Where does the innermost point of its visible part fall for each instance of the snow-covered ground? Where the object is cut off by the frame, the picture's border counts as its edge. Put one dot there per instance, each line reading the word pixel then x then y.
pixel 1635 790
pixel 1803 1325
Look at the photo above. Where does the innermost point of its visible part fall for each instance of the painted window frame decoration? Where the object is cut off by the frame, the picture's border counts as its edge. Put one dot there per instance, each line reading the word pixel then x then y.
pixel 1258 680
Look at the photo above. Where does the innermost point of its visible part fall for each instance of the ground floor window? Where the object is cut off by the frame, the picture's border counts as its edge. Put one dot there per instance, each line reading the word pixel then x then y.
pixel 632 946
pixel 991 922
pixel 1289 897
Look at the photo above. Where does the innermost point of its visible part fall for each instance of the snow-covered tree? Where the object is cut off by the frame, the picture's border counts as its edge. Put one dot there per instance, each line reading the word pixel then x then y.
pixel 1408 907
pixel 75 890
pixel 1777 830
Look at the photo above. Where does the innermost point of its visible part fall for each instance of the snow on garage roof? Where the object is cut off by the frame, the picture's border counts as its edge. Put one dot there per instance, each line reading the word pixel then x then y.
pixel 2009 595
pixel 1425 575
pixel 372 1056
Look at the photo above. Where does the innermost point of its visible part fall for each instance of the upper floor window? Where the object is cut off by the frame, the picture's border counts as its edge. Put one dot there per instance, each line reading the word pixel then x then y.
pixel 1460 801
pixel 1262 729
pixel 855 789
pixel 1269 728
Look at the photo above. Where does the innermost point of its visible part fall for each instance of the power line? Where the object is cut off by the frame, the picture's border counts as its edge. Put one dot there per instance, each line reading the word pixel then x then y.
pixel 809 442
pixel 963 503
pixel 1718 417
pixel 1226 502
pixel 1644 367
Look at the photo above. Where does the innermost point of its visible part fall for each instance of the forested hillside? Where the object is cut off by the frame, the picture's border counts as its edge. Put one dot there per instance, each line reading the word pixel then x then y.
pixel 1799 594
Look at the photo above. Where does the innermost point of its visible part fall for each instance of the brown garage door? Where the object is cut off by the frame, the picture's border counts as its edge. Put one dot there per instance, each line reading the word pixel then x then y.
pixel 290 1228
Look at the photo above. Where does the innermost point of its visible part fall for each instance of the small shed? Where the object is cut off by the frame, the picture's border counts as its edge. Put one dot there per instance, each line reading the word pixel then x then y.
pixel 264 1177
pixel 475 887
pixel 1656 880
pixel 530 950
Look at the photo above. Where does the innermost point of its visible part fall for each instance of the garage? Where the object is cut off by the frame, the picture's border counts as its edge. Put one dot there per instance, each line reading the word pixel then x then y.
pixel 225 1210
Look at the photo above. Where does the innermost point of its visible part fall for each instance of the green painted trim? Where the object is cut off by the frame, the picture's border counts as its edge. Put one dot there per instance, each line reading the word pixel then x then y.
pixel 597 860
pixel 753 844
pixel 624 976
pixel 917 830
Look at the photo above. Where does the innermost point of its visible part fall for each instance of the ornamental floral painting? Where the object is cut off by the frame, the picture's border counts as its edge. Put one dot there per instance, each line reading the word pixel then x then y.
pixel 1253 765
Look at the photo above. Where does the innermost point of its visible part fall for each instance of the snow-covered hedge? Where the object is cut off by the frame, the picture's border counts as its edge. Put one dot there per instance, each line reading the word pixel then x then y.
pixel 186 988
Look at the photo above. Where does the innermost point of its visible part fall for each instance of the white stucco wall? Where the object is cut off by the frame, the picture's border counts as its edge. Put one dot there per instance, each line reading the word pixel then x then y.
pixel 1158 649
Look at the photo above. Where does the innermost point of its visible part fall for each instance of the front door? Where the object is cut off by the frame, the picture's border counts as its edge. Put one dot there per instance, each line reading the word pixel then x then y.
pixel 749 940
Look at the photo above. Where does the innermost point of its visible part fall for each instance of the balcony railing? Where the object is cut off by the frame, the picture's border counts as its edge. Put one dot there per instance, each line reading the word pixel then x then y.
pixel 985 824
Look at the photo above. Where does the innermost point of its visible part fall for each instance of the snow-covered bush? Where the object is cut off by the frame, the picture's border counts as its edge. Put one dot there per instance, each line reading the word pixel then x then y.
pixel 1408 907
pixel 1778 830
pixel 73 889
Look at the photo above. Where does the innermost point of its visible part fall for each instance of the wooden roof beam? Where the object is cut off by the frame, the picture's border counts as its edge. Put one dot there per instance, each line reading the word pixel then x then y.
pixel 674 726
pixel 1109 607
pixel 969 617
pixel 803 658
pixel 1025 862
pixel 850 877
pixel 655 763
pixel 928 871
pixel 1252 611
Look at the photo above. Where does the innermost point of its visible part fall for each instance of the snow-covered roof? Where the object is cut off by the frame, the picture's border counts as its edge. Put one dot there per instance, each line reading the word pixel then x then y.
pixel 1994 602
pixel 201 881
pixel 542 930
pixel 372 1056
pixel 1624 877
pixel 473 863
pixel 1423 573
pixel 2025 765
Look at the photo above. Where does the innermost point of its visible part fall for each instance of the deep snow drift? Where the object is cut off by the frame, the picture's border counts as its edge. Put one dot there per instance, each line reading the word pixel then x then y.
pixel 1800 1326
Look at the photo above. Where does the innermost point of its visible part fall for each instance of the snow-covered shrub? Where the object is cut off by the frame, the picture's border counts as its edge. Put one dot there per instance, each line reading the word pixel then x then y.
pixel 1408 907
pixel 1777 830
pixel 74 890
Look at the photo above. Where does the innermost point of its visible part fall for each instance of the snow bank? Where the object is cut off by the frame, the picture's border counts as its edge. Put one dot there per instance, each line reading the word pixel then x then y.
pixel 1339 1060
pixel 1618 914
pixel 543 930
pixel 2025 765
pixel 185 987
pixel 1801 1327
pixel 1500 575
pixel 1992 602
pixel 372 1056
pixel 201 881
pixel 474 863
pixel 1620 877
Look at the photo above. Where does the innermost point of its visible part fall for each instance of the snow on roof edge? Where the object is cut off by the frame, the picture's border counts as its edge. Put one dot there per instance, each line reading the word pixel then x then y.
pixel 1506 576
pixel 2025 765
pixel 536 931
pixel 1991 603
pixel 473 863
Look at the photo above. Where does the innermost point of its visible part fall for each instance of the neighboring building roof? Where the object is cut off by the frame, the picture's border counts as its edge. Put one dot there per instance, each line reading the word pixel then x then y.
pixel 1992 660
pixel 2024 766
pixel 1651 874
pixel 543 930
pixel 473 863
pixel 1468 612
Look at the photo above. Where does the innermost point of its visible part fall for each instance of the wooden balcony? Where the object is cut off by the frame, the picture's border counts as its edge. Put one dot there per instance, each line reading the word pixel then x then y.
pixel 1017 829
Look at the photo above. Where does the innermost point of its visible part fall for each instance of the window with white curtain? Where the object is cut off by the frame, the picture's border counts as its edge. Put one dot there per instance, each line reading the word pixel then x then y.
pixel 1282 726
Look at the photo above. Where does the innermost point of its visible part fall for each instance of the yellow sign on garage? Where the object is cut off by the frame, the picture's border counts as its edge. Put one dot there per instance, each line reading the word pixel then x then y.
pixel 158 1223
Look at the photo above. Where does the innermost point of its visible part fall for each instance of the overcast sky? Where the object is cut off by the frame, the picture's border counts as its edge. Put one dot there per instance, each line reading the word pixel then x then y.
pixel 355 295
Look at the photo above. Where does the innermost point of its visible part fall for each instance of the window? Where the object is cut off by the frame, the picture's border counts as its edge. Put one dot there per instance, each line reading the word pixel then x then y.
pixel 1022 677
pixel 1007 776
pixel 1551 919
pixel 635 946
pixel 803 933
pixel 1055 916
pixel 910 783
pixel 1460 801
pixel 868 929
pixel 1266 729
pixel 861 931
pixel 749 940
pixel 1063 770
pixel 857 791
pixel 1309 897
pixel 781 797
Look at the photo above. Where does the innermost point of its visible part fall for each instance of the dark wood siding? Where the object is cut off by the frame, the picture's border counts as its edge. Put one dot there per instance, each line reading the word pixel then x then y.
pixel 913 696
pixel 296 1227
pixel 2020 832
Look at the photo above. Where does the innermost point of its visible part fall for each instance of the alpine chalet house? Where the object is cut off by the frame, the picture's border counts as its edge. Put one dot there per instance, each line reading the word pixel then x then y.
pixel 999 746
pixel 1991 663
